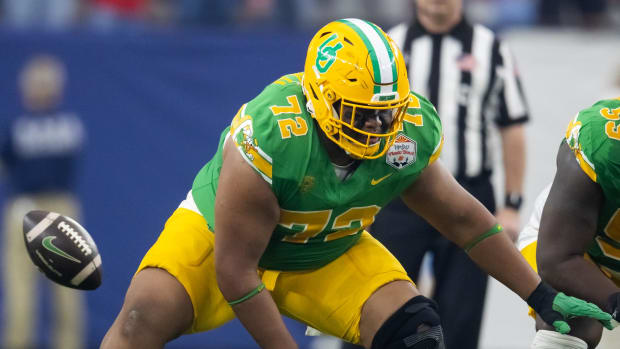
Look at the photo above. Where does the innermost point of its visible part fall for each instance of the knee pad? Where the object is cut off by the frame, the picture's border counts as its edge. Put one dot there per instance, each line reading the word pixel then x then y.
pixel 553 340
pixel 400 331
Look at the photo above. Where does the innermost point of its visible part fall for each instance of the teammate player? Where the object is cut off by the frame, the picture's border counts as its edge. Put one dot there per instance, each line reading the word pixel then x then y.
pixel 302 170
pixel 578 245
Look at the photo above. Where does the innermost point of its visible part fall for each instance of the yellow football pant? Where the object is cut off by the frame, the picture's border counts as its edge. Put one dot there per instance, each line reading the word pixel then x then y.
pixel 329 299
pixel 21 277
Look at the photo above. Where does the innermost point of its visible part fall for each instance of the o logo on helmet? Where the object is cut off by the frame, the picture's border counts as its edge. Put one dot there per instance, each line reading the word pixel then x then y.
pixel 326 55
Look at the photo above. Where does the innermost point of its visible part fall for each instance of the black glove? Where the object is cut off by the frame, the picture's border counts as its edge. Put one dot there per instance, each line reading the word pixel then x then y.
pixel 556 307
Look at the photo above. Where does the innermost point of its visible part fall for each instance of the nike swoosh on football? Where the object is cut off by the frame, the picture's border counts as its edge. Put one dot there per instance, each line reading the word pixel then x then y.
pixel 376 181
pixel 47 243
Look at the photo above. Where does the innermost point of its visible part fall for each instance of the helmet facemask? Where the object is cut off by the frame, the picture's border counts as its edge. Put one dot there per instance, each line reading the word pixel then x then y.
pixel 366 132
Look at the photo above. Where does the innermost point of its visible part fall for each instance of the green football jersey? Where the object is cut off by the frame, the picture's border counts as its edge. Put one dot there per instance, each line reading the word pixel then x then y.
pixel 321 215
pixel 594 136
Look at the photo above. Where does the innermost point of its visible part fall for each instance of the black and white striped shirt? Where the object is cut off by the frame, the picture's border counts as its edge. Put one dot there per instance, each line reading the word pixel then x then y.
pixel 470 77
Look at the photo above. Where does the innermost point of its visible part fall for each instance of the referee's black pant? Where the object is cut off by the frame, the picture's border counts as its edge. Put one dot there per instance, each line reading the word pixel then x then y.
pixel 460 286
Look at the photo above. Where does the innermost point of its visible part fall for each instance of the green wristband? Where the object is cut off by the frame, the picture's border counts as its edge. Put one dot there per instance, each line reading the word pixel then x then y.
pixel 251 294
pixel 496 229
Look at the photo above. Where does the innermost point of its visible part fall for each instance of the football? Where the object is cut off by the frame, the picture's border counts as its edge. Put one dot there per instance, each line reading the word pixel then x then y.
pixel 62 250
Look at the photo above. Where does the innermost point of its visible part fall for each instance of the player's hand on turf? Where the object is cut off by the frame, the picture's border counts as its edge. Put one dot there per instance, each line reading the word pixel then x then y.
pixel 556 307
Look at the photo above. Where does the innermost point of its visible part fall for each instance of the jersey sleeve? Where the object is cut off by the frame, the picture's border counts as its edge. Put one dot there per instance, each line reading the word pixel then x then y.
pixel 248 132
pixel 594 137
pixel 422 120
pixel 270 127
pixel 511 106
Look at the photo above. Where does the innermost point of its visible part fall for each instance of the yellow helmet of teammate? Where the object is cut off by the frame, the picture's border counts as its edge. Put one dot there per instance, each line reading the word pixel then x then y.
pixel 354 73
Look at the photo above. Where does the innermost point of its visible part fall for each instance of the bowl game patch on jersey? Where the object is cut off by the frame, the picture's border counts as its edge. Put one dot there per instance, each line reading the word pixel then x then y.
pixel 402 153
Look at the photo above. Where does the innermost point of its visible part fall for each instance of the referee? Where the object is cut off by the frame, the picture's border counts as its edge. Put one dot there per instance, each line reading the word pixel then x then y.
pixel 470 76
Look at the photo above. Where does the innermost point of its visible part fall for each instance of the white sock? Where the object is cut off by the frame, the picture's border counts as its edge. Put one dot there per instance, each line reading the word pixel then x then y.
pixel 555 340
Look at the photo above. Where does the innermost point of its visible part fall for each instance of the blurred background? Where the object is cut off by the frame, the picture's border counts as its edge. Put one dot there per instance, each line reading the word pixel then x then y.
pixel 155 81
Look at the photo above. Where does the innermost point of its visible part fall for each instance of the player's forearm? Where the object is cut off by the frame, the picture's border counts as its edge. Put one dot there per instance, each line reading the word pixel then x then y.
pixel 258 313
pixel 500 259
pixel 261 318
pixel 577 277
pixel 513 146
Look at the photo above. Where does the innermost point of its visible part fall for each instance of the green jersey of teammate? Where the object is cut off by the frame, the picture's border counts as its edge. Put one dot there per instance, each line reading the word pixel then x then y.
pixel 594 136
pixel 322 214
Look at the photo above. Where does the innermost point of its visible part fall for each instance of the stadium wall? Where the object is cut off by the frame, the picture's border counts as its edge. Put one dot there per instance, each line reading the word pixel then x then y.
pixel 154 106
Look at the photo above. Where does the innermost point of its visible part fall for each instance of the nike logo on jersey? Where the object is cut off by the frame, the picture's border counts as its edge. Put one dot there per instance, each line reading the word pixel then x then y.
pixel 377 181
pixel 47 243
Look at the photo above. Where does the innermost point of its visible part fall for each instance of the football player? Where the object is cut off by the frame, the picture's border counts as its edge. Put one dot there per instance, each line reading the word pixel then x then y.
pixel 578 232
pixel 274 223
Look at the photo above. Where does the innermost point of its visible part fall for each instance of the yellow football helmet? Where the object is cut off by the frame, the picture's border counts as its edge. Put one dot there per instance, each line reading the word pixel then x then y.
pixel 355 81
